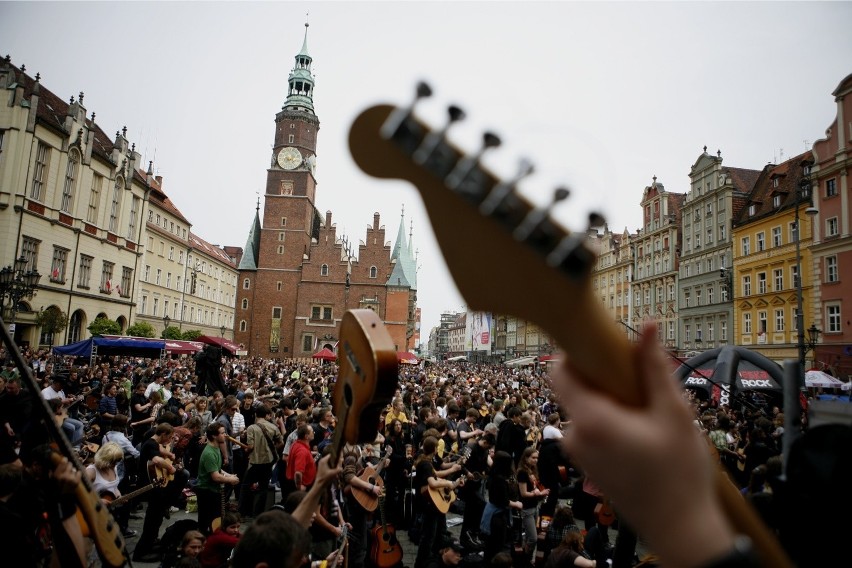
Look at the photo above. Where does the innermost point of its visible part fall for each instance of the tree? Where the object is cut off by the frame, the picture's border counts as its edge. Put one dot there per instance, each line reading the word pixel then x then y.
pixel 172 332
pixel 50 321
pixel 141 329
pixel 191 334
pixel 104 326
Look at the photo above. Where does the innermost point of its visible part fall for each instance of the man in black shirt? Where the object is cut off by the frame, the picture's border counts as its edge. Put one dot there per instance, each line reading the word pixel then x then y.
pixel 154 450
pixel 477 467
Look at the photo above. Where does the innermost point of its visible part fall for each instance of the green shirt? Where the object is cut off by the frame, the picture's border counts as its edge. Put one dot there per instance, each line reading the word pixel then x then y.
pixel 211 460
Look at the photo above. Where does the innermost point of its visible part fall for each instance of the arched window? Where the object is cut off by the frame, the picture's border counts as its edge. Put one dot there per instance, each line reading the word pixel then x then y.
pixel 373 271
pixel 245 303
pixel 246 284
pixel 324 270
pixel 75 326
pixel 242 325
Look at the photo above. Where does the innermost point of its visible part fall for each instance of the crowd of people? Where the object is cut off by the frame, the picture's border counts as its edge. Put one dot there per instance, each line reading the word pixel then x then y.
pixel 492 437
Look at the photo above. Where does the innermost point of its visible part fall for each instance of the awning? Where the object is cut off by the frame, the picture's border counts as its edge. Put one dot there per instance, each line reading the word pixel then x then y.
pixel 458 358
pixel 181 347
pixel 225 344
pixel 520 361
pixel 553 358
pixel 407 357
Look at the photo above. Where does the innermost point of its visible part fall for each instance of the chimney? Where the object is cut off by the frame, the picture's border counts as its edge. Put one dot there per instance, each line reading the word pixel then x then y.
pixel 328 219
pixel 376 221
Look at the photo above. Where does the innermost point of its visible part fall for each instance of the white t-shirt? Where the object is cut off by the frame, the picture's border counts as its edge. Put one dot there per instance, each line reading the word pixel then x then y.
pixel 48 393
pixel 551 433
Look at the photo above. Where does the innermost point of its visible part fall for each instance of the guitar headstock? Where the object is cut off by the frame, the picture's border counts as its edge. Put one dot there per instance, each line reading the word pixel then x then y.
pixel 506 255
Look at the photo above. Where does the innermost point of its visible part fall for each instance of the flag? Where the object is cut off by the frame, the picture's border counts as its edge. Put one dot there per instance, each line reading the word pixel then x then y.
pixel 118 289
pixel 109 286
pixel 55 273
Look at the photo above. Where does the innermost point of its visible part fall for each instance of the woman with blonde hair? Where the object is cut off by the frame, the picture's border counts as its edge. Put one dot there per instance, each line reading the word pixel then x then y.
pixel 104 479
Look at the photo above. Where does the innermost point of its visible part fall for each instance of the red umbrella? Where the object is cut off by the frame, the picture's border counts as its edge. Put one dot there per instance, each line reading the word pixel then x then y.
pixel 325 354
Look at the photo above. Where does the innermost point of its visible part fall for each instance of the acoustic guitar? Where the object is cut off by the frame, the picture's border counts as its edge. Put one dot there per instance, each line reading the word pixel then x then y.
pixel 367 499
pixel 446 496
pixel 535 269
pixel 113 502
pixel 385 548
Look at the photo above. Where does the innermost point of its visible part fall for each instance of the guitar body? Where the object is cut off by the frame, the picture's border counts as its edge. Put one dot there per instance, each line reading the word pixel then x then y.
pixel 368 375
pixel 604 514
pixel 367 499
pixel 385 548
pixel 442 498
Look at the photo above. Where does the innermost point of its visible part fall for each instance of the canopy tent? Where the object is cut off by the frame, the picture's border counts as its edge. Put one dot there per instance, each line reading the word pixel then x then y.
pixel 225 344
pixel 407 358
pixel 520 361
pixel 325 354
pixel 729 371
pixel 180 347
pixel 114 345
pixel 821 379
pixel 457 358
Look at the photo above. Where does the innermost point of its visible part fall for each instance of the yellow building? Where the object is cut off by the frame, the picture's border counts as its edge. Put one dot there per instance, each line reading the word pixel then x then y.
pixel 765 270
pixel 612 275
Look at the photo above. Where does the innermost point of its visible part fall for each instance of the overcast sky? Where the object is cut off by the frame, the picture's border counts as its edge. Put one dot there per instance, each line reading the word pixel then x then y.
pixel 601 96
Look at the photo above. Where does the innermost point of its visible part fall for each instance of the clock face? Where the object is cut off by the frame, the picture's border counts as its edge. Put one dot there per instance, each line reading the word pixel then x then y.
pixel 289 158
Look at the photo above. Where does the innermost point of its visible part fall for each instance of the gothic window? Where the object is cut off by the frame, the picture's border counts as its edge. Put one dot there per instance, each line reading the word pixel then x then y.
pixel 324 270
pixel 373 272
pixel 245 303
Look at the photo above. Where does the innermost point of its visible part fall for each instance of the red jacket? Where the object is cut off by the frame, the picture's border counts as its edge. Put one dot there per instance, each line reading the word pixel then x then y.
pixel 301 459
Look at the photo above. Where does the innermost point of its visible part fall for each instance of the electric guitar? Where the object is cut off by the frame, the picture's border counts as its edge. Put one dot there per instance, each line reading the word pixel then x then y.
pixel 113 502
pixel 535 269
pixel 237 442
pixel 367 499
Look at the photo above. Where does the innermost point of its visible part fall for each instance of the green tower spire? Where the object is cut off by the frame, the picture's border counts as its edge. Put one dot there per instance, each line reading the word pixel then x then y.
pixel 300 94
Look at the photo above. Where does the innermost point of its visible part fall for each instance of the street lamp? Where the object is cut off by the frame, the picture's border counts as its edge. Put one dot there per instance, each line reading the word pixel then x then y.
pixel 17 284
pixel 166 321
pixel 813 339
pixel 222 330
pixel 801 191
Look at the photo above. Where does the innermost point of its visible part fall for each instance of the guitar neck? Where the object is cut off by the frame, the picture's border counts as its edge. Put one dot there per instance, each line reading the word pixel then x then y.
pixel 133 494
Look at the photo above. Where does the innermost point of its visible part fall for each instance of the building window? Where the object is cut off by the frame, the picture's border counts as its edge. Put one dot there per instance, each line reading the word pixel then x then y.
pixel 246 284
pixel 278 285
pixel 324 270
pixel 831 271
pixel 131 223
pixel 283 221
pixel 832 317
pixel 373 272
pixel 698 297
pixel 291 138
pixel 126 281
pixel 29 250
pixel 776 236
pixel 308 342
pixel 180 257
pixel 752 209
pixel 323 313
pixel 159 275
pixel 776 201
pixel 794 273
pixel 721 232
pixel 761 321
pixel 171 253
pixel 831 227
pixel 686 297
pixel 723 330
pixel 779 319
pixel 761 283
pixel 106 277
pixel 746 246
pixel 280 249
pixel 746 285
pixel 795 320
pixel 57 266
pixel 709 295
pixel 830 187
pixel 70 182
pixel 95 198
pixel 276 312
pixel 168 280
pixel 243 325
pixel 778 277
pixel 761 241
pixel 143 307
pixel 245 303
pixel 710 335
pixel 747 322
pixel 40 171
pixel 115 206
pixel 156 307
pixel 686 333
pixel 85 271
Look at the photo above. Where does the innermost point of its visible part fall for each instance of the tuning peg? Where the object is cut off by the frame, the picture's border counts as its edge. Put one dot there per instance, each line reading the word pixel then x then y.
pixel 400 115
pixel 500 191
pixel 536 216
pixel 433 139
pixel 465 166
pixel 596 220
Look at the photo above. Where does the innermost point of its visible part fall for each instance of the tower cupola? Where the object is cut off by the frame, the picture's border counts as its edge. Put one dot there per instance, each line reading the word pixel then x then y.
pixel 300 94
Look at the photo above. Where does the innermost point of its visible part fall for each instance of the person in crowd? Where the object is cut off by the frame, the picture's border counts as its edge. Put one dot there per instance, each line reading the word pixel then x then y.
pixel 511 436
pixel 502 495
pixel 117 435
pixel 264 441
pixel 203 412
pixel 219 545
pixel 569 553
pixel 190 547
pixel 428 477
pixel 531 493
pixel 477 466
pixel 211 478
pixel 105 480
pixel 154 451
pixel 449 555
pixel 301 469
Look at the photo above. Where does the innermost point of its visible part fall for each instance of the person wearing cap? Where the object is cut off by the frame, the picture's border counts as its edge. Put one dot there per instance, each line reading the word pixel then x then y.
pixel 450 554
